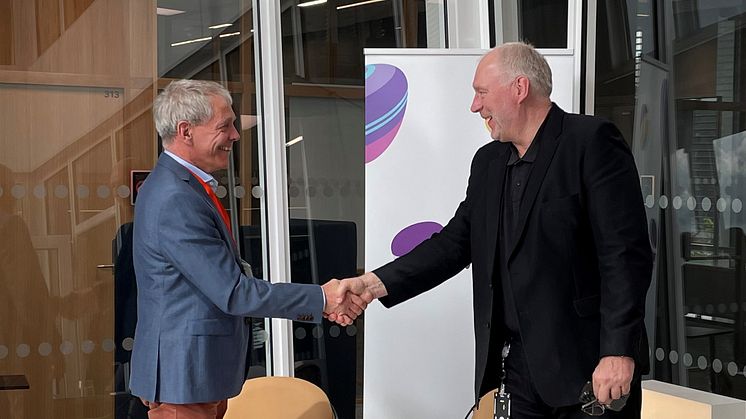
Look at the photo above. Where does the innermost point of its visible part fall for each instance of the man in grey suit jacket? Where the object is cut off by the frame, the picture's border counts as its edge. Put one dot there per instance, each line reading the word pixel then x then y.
pixel 194 296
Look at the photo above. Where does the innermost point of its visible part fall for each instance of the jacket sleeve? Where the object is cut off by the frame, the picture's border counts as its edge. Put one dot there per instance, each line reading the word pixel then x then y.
pixel 438 258
pixel 615 208
pixel 189 239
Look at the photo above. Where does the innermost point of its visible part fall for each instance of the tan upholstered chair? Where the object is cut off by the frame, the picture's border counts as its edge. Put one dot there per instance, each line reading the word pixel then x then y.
pixel 279 398
pixel 485 406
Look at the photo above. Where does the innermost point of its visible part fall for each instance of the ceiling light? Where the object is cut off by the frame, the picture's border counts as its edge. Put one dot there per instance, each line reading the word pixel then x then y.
pixel 312 3
pixel 294 140
pixel 222 25
pixel 167 12
pixel 225 35
pixel 347 6
pixel 248 122
pixel 191 41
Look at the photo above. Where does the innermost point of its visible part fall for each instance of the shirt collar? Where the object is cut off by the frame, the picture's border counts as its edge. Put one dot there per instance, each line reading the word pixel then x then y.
pixel 206 177
pixel 533 149
pixel 528 157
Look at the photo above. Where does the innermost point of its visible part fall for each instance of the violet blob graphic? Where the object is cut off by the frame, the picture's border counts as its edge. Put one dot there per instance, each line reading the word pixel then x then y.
pixel 386 92
pixel 411 236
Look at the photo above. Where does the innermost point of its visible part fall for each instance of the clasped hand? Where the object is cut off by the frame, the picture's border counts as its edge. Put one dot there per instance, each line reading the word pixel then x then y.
pixel 346 299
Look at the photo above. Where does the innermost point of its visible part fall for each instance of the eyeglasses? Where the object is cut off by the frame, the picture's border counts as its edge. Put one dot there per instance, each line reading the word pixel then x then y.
pixel 592 407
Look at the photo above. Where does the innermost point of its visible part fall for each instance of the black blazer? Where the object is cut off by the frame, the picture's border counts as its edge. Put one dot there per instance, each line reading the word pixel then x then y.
pixel 579 267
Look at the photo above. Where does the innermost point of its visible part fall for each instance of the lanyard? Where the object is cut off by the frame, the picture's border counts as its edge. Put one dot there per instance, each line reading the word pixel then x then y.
pixel 216 201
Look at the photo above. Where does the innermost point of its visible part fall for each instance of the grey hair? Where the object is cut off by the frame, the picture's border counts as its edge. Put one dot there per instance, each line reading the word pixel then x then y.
pixel 185 100
pixel 519 58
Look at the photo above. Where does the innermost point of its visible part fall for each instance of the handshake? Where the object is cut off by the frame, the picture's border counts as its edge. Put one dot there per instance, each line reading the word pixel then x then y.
pixel 347 298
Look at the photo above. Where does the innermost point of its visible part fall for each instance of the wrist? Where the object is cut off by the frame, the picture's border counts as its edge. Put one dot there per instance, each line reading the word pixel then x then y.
pixel 374 285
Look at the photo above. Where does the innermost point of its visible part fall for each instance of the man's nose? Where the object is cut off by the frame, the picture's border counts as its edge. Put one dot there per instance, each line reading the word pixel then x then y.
pixel 235 136
pixel 476 104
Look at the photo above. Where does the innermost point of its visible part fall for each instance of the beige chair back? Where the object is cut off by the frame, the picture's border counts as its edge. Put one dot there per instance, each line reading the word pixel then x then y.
pixel 484 409
pixel 279 398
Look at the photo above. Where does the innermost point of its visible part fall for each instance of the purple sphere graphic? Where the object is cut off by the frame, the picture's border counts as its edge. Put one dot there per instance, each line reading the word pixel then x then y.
pixel 411 236
pixel 385 101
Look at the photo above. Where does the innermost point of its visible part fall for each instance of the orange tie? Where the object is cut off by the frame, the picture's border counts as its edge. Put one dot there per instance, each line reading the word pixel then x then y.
pixel 216 201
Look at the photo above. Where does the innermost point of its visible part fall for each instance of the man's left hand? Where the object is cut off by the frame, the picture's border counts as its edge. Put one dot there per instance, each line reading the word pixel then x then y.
pixel 612 378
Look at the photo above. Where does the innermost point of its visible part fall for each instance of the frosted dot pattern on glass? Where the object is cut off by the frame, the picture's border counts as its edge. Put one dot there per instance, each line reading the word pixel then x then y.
pixel 687 359
pixel 351 330
pixel 60 191
pixel 82 191
pixel 103 191
pixel 334 331
pixel 317 332
pixel 128 344
pixel 45 349
pixel 18 191
pixel 23 350
pixel 123 191
pixel 87 346
pixel 40 191
pixel 257 192
pixel 300 333
pixel 66 347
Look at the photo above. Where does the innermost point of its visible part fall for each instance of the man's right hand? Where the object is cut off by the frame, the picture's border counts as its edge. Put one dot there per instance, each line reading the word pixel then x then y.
pixel 364 288
pixel 344 305
pixel 149 405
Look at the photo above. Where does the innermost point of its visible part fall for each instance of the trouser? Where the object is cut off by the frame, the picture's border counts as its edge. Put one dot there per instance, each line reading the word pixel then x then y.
pixel 212 410
pixel 525 400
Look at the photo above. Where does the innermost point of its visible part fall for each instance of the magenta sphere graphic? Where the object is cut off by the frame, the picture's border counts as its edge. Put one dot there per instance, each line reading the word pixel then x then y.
pixel 386 92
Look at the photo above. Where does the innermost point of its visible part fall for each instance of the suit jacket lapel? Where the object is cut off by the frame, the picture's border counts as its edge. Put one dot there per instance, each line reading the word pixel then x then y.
pixel 184 174
pixel 549 139
pixel 495 178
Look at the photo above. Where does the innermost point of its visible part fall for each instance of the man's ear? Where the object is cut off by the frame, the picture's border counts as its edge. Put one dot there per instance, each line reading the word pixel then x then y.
pixel 522 85
pixel 184 130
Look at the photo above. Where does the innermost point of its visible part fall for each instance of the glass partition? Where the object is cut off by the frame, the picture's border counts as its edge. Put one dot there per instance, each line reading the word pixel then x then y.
pixel 77 82
pixel 323 65
pixel 672 81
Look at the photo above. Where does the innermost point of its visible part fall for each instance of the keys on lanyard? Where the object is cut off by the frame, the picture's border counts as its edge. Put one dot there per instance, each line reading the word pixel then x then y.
pixel 501 406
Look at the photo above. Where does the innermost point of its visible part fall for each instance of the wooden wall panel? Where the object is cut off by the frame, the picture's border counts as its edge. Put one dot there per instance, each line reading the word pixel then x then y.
pixel 6 32
pixel 74 9
pixel 24 33
pixel 47 24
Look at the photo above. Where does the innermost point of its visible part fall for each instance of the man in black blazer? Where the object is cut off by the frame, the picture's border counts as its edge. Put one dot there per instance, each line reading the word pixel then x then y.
pixel 554 226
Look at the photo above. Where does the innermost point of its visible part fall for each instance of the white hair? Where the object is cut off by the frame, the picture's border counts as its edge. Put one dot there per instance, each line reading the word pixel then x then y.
pixel 185 100
pixel 519 58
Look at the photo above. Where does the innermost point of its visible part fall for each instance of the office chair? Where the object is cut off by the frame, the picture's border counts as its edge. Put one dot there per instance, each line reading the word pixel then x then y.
pixel 279 398
pixel 485 407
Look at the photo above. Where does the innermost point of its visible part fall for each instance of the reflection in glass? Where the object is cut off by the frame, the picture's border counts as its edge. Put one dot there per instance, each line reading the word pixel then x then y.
pixel 323 67
pixel 696 144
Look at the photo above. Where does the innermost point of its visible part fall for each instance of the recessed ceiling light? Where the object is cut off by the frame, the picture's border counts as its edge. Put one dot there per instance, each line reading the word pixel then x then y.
pixel 347 6
pixel 312 3
pixel 167 12
pixel 191 41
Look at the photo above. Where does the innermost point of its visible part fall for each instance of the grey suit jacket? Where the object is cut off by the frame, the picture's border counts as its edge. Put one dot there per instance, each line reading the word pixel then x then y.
pixel 191 337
